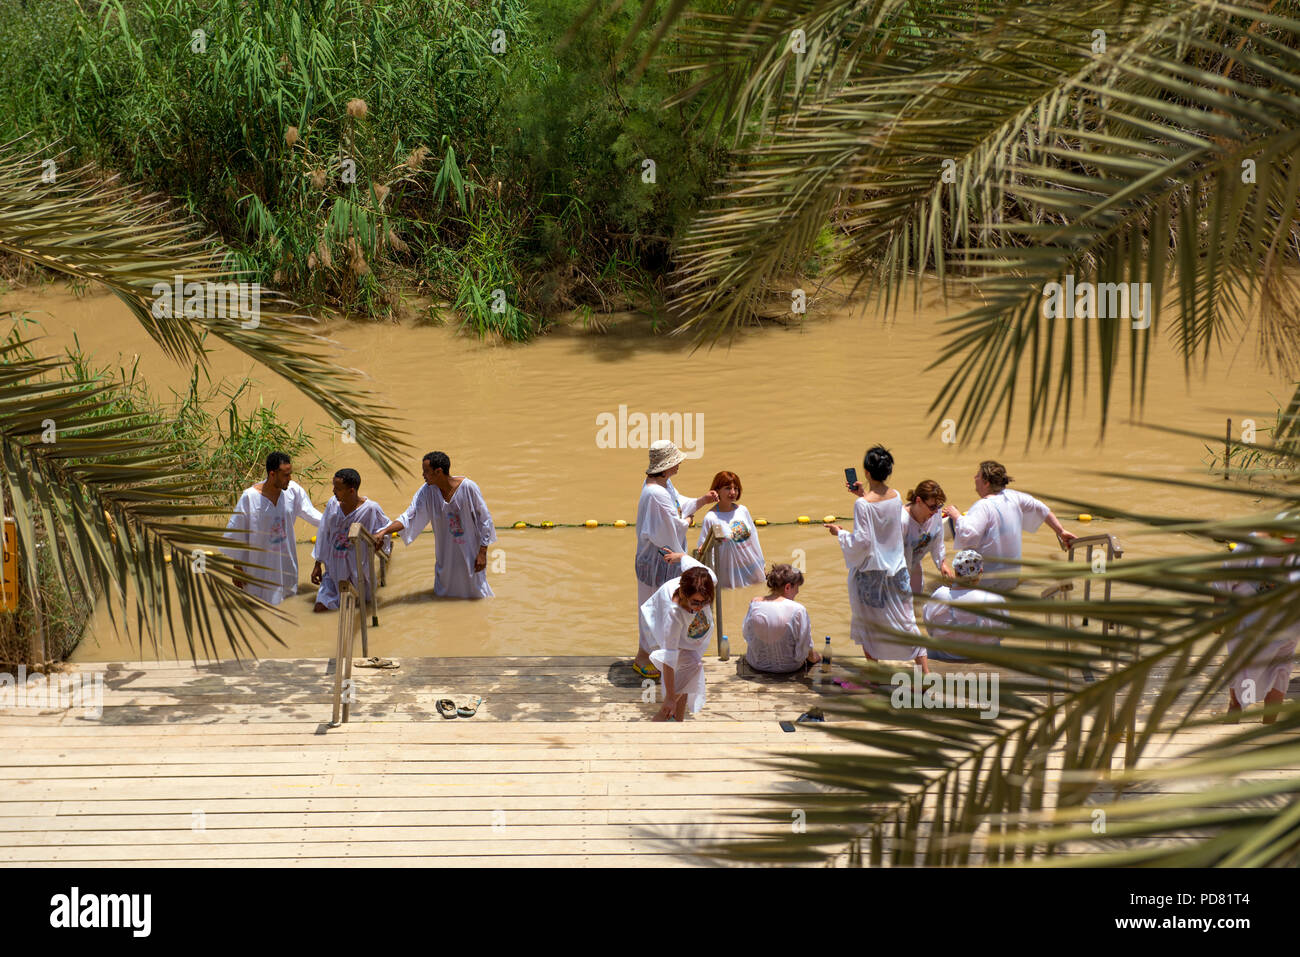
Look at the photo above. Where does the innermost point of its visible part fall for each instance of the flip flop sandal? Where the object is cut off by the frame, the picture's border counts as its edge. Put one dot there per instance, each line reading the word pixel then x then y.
pixel 812 714
pixel 446 707
pixel 376 662
pixel 470 710
pixel 645 671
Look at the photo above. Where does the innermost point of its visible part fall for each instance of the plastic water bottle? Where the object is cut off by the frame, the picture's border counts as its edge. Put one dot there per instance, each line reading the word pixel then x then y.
pixel 724 649
pixel 824 671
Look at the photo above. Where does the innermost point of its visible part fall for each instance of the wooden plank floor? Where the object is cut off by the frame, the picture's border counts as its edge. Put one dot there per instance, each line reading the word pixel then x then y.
pixel 234 764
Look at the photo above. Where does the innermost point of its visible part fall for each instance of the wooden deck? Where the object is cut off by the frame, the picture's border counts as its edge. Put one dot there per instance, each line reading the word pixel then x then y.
pixel 232 765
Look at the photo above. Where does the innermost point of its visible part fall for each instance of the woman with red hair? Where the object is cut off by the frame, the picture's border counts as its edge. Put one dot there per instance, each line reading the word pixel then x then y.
pixel 739 557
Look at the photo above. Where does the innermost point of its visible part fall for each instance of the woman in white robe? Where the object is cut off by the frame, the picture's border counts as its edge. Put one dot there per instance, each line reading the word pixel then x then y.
pixel 995 524
pixel 738 557
pixel 335 560
pixel 681 623
pixel 262 526
pixel 880 592
pixel 777 629
pixel 662 517
pixel 923 531
pixel 1265 676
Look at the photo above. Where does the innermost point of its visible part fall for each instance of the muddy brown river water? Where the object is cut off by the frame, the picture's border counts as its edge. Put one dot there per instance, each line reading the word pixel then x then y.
pixel 786 408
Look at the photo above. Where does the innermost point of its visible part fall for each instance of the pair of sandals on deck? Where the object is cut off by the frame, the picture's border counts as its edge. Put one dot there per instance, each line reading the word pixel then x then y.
pixel 448 708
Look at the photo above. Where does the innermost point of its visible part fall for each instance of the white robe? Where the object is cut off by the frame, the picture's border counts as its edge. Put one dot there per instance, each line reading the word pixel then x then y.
pixel 778 635
pixel 662 517
pixel 880 591
pixel 918 540
pixel 949 623
pixel 1269 668
pixel 993 527
pixel 260 523
pixel 332 550
pixel 460 528
pixel 680 638
pixel 738 556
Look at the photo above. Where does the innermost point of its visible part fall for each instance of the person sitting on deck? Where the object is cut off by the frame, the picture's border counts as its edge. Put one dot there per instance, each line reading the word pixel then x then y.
pixel 678 618
pixel 262 525
pixel 995 523
pixel 777 629
pixel 335 561
pixel 462 528
pixel 954 622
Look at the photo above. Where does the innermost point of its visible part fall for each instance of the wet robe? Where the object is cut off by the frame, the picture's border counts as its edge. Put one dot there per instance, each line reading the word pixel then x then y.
pixel 738 556
pixel 880 592
pixel 662 517
pixel 920 539
pixel 1269 667
pixel 338 562
pixel 778 635
pixel 993 527
pixel 680 638
pixel 460 528
pixel 260 523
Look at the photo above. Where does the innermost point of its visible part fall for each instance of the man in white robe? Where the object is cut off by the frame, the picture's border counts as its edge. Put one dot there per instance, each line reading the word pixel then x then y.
pixel 262 527
pixel 462 529
pixel 335 560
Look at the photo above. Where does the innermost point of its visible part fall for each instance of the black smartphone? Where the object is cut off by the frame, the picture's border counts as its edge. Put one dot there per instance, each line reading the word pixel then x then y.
pixel 850 477
pixel 786 726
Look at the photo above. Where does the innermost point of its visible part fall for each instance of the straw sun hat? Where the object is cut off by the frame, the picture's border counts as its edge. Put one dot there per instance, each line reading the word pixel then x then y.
pixel 664 455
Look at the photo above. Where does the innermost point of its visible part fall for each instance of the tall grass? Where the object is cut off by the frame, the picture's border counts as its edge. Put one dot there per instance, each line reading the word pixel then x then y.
pixel 348 149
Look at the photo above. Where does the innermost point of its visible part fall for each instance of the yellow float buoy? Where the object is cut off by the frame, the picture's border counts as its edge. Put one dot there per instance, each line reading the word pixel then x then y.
pixel 803 519
pixel 1232 546
pixel 1085 517
pixel 548 524
pixel 313 539
pixel 521 524
pixel 760 522
pixel 620 524
pixel 591 523
pixel 828 519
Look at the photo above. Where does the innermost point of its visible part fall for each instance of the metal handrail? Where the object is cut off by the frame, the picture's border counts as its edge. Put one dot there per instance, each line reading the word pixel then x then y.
pixel 707 553
pixel 354 597
pixel 1114 550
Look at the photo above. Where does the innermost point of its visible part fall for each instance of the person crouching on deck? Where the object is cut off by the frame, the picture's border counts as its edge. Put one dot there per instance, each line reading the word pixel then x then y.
pixel 335 561
pixel 462 529
pixel 678 617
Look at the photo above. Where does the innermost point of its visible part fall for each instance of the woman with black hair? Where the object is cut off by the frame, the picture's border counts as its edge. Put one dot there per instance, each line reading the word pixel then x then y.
pixel 880 590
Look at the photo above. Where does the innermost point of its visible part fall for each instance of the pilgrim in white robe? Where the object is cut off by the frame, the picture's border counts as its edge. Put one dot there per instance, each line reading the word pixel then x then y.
pixel 952 623
pixel 993 527
pixel 680 638
pixel 460 528
pixel 880 592
pixel 778 635
pixel 338 562
pixel 1269 667
pixel 662 517
pixel 258 522
pixel 738 556
pixel 919 539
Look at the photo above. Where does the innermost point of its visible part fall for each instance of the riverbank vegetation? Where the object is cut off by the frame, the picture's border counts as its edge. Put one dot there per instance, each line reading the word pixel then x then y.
pixel 348 149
